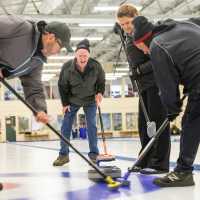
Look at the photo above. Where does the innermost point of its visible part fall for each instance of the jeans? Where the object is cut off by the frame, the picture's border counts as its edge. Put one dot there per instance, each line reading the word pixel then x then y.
pixel 66 128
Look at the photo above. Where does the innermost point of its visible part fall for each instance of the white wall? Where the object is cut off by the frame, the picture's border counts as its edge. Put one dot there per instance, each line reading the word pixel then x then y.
pixel 109 105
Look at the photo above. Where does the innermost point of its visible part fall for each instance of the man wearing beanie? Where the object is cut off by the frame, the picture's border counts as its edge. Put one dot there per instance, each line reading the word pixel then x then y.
pixel 157 160
pixel 81 84
pixel 175 53
pixel 25 46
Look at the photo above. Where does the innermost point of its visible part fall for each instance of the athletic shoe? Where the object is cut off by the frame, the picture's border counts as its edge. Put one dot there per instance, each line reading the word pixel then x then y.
pixel 93 157
pixel 175 179
pixel 134 169
pixel 61 160
pixel 149 171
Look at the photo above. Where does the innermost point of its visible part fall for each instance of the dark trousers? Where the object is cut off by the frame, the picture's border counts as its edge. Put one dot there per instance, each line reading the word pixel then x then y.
pixel 158 156
pixel 190 137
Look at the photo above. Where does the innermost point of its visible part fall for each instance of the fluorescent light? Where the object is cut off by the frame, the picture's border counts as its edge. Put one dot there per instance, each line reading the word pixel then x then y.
pixel 122 69
pixel 89 38
pixel 118 74
pixel 97 25
pixel 110 8
pixel 105 8
pixel 50 70
pixel 47 6
pixel 53 64
pixel 60 57
pixel 111 78
pixel 47 77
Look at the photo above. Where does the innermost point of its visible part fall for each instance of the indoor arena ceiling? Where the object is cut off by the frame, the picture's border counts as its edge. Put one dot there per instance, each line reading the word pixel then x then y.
pixel 94 19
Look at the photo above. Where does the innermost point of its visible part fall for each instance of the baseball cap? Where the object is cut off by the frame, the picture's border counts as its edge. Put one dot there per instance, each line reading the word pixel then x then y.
pixel 62 32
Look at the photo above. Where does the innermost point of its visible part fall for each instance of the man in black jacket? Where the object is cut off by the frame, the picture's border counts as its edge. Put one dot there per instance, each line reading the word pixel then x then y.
pixel 157 160
pixel 81 83
pixel 175 53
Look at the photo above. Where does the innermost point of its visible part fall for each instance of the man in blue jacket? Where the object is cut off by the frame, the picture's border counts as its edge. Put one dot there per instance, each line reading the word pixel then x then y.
pixel 175 53
pixel 24 47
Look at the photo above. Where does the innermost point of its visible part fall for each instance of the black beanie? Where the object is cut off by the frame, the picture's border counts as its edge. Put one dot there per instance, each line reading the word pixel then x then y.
pixel 84 44
pixel 142 29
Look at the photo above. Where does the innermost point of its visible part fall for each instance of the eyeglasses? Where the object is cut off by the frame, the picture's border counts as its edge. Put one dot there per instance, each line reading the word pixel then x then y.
pixel 59 43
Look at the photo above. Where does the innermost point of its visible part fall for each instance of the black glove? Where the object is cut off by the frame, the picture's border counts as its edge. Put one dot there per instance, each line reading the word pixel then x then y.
pixel 172 117
pixel 117 29
pixel 135 73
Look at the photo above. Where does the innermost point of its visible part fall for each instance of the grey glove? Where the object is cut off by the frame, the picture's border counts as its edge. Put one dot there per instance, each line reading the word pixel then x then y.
pixel 117 29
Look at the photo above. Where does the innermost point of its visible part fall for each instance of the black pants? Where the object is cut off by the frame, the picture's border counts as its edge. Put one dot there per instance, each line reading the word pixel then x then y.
pixel 158 156
pixel 190 137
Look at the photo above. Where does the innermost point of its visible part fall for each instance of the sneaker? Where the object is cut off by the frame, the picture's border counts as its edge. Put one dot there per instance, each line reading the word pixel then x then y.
pixel 61 160
pixel 175 179
pixel 1 186
pixel 93 157
pixel 149 171
pixel 134 169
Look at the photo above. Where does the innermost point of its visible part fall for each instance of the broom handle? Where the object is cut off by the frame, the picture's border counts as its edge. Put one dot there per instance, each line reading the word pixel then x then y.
pixel 135 81
pixel 102 131
pixel 6 84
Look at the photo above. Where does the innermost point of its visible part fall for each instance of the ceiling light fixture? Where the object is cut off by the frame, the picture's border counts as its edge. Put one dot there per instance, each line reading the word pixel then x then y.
pixel 60 57
pixel 110 8
pixel 45 71
pixel 96 25
pixel 89 38
pixel 53 64
pixel 47 77
pixel 122 69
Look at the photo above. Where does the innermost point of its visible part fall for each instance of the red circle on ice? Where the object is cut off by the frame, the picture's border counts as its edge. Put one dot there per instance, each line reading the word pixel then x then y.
pixel 9 186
